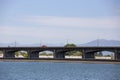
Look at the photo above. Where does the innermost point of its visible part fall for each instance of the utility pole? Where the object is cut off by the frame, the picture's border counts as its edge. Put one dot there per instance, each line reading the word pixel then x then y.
pixel 67 41
pixel 40 43
pixel 15 43
pixel 98 41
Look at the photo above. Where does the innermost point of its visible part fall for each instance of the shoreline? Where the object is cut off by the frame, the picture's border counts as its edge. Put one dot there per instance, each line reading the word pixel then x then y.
pixel 63 60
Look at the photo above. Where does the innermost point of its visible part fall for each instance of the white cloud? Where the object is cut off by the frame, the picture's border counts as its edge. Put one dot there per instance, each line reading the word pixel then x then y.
pixel 22 31
pixel 37 34
pixel 75 29
pixel 107 22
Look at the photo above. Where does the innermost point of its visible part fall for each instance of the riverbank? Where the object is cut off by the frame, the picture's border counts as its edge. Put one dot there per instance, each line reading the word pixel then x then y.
pixel 63 60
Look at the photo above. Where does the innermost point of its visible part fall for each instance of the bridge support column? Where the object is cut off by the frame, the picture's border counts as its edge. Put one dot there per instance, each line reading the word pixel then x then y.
pixel 59 55
pixel 8 54
pixel 83 54
pixel 33 55
pixel 117 55
pixel 88 55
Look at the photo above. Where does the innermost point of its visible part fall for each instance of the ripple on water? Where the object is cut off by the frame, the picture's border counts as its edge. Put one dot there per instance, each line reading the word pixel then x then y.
pixel 58 71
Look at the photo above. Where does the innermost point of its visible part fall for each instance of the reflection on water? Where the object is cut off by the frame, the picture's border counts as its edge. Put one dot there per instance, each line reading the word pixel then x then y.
pixel 58 71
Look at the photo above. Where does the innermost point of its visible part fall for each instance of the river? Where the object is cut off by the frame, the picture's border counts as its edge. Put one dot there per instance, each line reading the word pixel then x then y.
pixel 58 71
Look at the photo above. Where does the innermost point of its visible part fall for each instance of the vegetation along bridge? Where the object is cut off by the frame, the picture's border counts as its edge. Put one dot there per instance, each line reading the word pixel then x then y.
pixel 58 52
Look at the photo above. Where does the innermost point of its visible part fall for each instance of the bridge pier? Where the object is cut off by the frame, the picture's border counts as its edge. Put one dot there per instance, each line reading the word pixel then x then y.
pixel 8 54
pixel 59 55
pixel 89 55
pixel 33 54
pixel 117 55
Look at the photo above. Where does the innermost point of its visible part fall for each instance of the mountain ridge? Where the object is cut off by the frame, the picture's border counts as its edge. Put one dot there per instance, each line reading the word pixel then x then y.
pixel 102 42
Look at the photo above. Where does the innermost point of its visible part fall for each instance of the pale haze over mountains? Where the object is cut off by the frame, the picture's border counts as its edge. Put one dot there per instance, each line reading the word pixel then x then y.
pixel 99 42
pixel 102 42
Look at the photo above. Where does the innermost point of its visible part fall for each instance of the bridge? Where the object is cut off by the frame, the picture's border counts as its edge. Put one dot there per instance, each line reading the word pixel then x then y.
pixel 59 52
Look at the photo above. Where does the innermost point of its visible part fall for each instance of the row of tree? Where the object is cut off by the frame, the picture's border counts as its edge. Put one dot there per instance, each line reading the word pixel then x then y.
pixel 25 55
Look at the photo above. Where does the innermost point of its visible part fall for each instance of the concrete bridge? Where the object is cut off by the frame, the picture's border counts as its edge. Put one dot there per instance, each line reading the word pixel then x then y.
pixel 59 52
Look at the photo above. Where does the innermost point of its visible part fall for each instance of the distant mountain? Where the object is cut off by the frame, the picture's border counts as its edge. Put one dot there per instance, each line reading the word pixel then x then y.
pixel 102 42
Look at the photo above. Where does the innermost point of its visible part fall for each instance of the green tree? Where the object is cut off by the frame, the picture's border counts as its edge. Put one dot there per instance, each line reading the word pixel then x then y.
pixel 70 45
pixel 46 54
pixel 43 53
pixel 25 55
pixel 73 53
pixel 17 53
pixel 1 53
pixel 77 53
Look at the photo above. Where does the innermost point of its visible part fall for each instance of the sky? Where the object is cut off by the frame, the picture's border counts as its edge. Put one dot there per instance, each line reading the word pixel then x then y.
pixel 59 21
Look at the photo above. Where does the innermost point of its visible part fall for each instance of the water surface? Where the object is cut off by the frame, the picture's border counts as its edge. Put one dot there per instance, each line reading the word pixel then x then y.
pixel 58 71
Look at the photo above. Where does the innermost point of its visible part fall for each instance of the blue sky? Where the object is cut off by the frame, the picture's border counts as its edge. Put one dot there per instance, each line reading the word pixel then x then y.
pixel 56 21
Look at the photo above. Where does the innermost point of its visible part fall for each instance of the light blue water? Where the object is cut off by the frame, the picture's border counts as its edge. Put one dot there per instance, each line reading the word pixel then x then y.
pixel 58 71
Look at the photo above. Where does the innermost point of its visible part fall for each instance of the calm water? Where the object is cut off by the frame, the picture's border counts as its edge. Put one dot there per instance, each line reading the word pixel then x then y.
pixel 58 71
